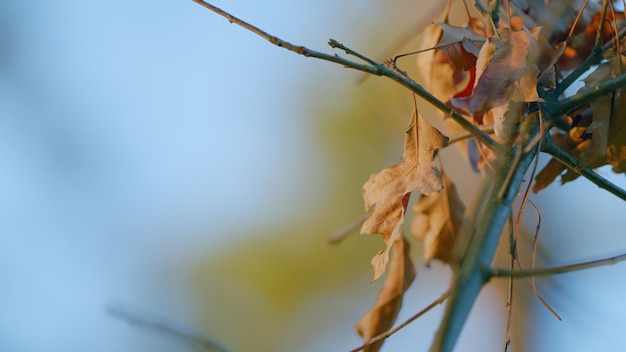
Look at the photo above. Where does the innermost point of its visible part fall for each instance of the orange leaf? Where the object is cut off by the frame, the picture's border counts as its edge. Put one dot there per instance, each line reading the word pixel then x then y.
pixel 389 190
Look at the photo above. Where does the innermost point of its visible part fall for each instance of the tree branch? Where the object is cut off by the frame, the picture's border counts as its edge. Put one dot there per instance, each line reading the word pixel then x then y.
pixel 481 236
pixel 549 147
pixel 470 277
pixel 501 272
pixel 378 69
pixel 584 96
pixel 167 328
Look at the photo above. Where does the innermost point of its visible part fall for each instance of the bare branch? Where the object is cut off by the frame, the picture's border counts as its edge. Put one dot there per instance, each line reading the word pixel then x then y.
pixel 499 272
pixel 549 147
pixel 344 232
pixel 167 328
pixel 379 69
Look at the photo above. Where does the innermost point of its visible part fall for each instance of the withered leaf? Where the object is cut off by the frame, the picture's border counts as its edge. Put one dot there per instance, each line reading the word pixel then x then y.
pixel 439 220
pixel 501 64
pixel 385 311
pixel 389 190
pixel 461 44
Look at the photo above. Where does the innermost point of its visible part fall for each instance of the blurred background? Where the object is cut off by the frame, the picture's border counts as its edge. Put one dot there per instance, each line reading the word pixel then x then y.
pixel 157 158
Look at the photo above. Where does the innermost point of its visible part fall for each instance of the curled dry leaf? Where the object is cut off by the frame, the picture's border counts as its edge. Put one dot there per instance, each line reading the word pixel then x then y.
pixel 385 311
pixel 442 69
pixel 389 190
pixel 439 220
pixel 502 62
pixel 461 44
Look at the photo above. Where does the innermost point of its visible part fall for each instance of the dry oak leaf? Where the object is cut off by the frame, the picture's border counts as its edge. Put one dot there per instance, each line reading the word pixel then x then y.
pixel 383 314
pixel 389 190
pixel 439 220
pixel 501 64
pixel 461 44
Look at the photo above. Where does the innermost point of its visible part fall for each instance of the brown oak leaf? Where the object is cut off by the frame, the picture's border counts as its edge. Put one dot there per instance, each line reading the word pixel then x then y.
pixel 389 190
pixel 501 64
pixel 461 44
pixel 439 220
pixel 385 311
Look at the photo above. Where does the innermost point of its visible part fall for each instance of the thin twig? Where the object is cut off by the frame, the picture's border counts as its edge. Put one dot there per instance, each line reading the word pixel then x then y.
pixel 379 69
pixel 291 47
pixel 392 331
pixel 594 57
pixel 335 44
pixel 583 97
pixel 344 232
pixel 167 328
pixel 466 135
pixel 548 146
pixel 600 32
pixel 509 299
pixel 591 60
pixel 405 38
pixel 556 270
